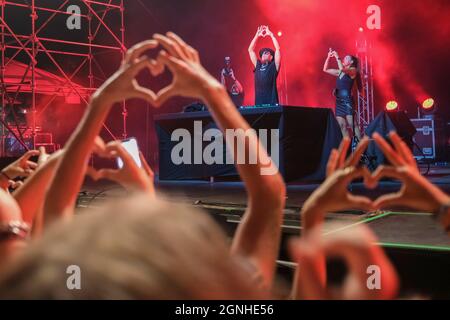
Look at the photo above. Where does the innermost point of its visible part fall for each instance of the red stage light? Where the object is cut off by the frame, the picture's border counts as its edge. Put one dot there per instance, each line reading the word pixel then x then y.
pixel 428 104
pixel 361 29
pixel 392 105
pixel 280 33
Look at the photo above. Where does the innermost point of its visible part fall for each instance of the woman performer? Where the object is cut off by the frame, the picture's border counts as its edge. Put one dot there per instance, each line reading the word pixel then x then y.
pixel 347 75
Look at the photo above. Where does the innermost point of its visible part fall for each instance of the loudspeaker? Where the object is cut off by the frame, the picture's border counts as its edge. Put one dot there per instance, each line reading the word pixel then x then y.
pixel 383 124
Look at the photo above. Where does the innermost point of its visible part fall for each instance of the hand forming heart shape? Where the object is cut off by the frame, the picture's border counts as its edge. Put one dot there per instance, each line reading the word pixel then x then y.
pixel 333 195
pixel 357 251
pixel 190 79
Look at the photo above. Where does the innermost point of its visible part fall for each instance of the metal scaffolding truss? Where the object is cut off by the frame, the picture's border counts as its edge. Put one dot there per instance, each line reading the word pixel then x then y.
pixel 33 40
pixel 366 95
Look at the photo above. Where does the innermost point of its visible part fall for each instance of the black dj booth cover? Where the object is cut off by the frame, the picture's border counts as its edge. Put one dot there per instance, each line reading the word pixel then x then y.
pixel 306 137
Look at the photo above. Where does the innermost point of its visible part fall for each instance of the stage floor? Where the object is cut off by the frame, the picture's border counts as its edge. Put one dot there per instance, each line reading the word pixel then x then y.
pixel 228 199
pixel 416 244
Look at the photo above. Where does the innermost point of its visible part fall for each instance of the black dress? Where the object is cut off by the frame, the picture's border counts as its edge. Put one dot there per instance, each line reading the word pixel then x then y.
pixel 266 91
pixel 344 99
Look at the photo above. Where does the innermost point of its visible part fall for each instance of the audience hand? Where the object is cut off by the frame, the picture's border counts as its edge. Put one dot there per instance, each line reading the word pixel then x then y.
pixel 43 156
pixel 357 246
pixel 333 194
pixel 21 168
pixel 123 85
pixel 16 185
pixel 130 176
pixel 190 79
pixel 417 192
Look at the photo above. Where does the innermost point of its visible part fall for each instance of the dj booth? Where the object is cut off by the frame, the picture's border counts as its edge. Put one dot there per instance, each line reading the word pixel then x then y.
pixel 306 138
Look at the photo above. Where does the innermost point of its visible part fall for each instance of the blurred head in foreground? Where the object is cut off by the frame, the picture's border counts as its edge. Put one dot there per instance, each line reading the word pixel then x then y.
pixel 133 249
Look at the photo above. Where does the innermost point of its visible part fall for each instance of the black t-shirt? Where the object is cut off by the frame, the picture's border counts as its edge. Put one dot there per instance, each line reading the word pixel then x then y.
pixel 266 83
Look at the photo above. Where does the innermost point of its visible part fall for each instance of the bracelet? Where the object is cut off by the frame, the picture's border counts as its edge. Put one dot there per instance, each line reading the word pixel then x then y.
pixel 14 229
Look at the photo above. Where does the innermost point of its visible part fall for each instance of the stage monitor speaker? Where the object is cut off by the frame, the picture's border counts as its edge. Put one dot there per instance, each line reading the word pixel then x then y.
pixel 383 124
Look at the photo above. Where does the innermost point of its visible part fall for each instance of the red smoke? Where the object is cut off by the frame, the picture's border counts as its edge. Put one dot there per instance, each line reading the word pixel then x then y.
pixel 311 27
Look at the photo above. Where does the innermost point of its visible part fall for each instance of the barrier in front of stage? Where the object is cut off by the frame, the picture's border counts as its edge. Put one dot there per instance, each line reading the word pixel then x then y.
pixel 307 136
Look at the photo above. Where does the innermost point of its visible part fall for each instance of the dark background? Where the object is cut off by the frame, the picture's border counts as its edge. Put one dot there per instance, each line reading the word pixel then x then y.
pixel 410 52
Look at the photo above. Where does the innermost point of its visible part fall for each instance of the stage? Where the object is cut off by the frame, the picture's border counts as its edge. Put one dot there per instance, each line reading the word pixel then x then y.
pixel 298 139
pixel 417 245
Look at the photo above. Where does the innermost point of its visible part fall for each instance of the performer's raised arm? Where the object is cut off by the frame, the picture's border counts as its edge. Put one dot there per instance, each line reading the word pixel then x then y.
pixel 276 44
pixel 339 62
pixel 251 48
pixel 333 72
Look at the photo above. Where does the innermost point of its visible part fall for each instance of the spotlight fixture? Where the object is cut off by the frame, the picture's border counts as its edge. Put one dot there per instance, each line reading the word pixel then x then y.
pixel 428 104
pixel 428 107
pixel 392 106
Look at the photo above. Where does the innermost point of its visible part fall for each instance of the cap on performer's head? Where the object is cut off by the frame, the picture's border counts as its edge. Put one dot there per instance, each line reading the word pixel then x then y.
pixel 264 50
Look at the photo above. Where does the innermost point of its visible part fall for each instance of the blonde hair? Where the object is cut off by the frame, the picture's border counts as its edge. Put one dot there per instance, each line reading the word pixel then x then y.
pixel 133 249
